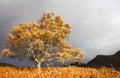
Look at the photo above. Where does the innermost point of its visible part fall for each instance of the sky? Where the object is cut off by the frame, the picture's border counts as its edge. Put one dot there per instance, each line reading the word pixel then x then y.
pixel 95 23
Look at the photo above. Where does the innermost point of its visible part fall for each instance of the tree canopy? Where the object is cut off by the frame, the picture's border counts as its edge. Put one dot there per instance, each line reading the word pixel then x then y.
pixel 42 41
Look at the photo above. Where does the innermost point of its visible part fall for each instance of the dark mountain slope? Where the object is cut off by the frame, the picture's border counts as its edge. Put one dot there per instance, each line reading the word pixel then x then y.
pixel 106 60
pixel 103 60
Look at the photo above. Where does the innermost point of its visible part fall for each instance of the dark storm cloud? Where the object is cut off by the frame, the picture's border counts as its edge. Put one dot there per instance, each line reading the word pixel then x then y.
pixel 13 12
pixel 95 23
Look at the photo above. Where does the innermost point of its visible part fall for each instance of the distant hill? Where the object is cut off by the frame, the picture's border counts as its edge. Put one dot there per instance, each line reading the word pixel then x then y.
pixel 103 60
pixel 6 64
pixel 106 60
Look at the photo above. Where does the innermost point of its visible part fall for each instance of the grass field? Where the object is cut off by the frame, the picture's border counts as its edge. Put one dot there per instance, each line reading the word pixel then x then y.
pixel 57 72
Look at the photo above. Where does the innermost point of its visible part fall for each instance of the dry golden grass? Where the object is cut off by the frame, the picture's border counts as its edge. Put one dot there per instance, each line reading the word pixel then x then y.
pixel 57 72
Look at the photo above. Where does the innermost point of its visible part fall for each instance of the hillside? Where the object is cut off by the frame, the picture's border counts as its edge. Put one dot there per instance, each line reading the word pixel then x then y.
pixel 57 72
pixel 111 61
pixel 106 60
pixel 93 69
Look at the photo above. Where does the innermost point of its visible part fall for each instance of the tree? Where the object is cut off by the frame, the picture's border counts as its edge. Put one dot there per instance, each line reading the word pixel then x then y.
pixel 42 41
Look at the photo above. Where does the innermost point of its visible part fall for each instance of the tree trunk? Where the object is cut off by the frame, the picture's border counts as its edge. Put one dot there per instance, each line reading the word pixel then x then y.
pixel 39 65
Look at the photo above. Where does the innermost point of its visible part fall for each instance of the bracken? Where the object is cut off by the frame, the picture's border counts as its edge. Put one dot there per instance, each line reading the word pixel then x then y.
pixel 57 72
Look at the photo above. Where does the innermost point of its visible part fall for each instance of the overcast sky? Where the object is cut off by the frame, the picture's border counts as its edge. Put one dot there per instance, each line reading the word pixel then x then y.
pixel 95 23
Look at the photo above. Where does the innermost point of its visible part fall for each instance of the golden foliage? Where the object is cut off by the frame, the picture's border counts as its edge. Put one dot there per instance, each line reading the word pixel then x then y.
pixel 34 38
pixel 6 52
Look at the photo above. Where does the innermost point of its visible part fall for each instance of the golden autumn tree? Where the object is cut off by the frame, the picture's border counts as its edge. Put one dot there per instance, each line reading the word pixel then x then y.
pixel 42 41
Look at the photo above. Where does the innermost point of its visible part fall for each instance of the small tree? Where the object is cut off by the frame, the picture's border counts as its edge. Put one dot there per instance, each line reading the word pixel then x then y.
pixel 42 41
